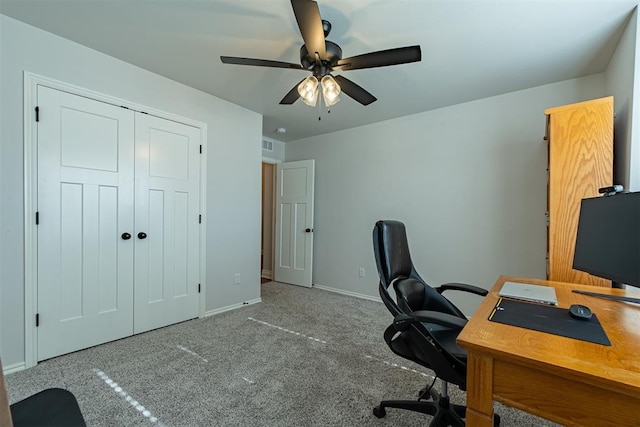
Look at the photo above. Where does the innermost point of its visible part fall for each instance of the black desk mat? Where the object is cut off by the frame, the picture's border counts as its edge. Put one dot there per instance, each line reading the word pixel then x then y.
pixel 552 320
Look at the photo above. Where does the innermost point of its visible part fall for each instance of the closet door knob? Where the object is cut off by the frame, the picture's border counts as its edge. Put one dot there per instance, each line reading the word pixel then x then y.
pixel 142 235
pixel 126 236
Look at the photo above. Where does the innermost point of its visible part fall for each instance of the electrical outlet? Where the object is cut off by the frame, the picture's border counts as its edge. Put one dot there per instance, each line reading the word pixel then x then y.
pixel 237 278
pixel 361 272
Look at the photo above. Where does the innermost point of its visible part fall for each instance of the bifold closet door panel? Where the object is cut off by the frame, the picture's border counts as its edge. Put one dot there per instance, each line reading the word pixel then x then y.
pixel 85 203
pixel 167 209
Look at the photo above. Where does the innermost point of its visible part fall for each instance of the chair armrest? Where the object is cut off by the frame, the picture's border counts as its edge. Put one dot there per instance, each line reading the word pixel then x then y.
pixel 402 321
pixel 462 287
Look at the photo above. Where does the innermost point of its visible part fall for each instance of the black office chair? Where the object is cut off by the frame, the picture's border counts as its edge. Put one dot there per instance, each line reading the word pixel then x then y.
pixel 53 407
pixel 50 407
pixel 424 328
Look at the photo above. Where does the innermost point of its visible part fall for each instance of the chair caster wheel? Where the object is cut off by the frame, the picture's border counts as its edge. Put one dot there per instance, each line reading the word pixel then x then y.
pixel 379 411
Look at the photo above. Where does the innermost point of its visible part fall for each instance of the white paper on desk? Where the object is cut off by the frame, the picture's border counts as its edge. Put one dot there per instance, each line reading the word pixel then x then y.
pixel 529 292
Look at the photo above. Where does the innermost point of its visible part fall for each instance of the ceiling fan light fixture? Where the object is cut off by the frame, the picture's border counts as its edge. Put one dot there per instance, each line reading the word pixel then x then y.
pixel 308 90
pixel 322 57
pixel 330 90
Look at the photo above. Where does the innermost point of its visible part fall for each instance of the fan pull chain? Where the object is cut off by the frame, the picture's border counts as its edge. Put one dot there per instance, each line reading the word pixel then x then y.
pixel 320 109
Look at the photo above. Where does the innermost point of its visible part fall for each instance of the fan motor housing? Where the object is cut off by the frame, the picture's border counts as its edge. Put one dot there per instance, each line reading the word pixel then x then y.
pixel 332 56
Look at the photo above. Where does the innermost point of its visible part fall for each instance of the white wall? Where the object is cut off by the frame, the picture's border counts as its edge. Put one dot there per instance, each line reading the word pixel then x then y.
pixel 278 150
pixel 620 83
pixel 469 181
pixel 233 162
pixel 5 327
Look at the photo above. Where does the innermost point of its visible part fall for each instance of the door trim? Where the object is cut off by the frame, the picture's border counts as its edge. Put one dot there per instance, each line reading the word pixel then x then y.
pixel 270 160
pixel 31 82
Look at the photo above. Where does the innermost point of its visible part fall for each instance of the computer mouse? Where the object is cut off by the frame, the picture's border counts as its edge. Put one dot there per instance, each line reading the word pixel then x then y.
pixel 581 312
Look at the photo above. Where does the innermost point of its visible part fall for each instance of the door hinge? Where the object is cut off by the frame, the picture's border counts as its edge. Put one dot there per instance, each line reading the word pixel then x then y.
pixel 37 218
pixel 199 287
pixel 200 148
pixel 199 219
pixel 37 319
pixel 37 114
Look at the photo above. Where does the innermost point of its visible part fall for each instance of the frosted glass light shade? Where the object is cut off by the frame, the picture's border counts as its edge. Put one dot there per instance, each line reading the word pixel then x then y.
pixel 308 90
pixel 330 90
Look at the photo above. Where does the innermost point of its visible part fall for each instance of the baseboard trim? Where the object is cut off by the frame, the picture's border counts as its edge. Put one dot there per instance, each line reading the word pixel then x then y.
pixel 232 307
pixel 16 367
pixel 267 274
pixel 349 293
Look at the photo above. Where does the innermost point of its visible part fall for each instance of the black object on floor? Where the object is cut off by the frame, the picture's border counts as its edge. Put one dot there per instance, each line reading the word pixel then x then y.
pixel 51 407
pixel 552 320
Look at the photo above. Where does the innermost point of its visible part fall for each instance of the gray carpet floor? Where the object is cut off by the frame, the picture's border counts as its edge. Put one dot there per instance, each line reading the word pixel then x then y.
pixel 302 357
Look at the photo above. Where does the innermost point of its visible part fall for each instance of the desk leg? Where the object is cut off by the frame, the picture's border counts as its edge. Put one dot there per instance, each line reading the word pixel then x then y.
pixel 479 390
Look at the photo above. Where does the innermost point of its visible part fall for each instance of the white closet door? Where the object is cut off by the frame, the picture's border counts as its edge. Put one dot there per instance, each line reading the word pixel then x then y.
pixel 167 207
pixel 85 204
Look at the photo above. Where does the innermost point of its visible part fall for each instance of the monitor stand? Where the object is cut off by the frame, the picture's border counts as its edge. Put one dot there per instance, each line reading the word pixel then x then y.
pixel 607 296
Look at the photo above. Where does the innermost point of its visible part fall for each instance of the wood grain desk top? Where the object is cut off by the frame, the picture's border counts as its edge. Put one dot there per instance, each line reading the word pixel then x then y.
pixel 615 367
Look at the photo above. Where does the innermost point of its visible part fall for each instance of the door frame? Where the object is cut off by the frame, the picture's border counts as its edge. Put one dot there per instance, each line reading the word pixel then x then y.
pixel 273 162
pixel 31 82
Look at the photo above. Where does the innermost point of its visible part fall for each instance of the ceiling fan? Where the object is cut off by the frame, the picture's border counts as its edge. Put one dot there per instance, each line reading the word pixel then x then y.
pixel 321 57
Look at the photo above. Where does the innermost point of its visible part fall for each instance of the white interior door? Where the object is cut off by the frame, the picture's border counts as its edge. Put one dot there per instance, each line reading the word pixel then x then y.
pixel 167 209
pixel 294 222
pixel 85 204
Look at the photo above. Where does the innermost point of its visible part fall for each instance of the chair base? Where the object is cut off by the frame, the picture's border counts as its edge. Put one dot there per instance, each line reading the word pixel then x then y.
pixel 444 413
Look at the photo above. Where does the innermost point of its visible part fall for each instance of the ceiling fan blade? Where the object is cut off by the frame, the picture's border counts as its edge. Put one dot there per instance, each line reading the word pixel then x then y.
pixel 354 91
pixel 382 58
pixel 310 25
pixel 259 62
pixel 292 96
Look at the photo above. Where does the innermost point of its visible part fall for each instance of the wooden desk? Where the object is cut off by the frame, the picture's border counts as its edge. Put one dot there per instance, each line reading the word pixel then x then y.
pixel 571 382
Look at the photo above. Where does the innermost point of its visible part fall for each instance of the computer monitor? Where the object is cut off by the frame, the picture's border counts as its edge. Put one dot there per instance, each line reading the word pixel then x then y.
pixel 608 239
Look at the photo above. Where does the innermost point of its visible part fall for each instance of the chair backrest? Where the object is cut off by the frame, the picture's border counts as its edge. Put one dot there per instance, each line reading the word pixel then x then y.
pixel 393 260
pixel 392 251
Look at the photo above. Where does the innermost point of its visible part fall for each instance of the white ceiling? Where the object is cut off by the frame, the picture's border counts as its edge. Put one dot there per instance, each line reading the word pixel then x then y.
pixel 470 49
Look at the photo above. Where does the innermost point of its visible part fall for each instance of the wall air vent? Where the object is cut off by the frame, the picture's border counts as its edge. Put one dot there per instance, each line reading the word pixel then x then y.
pixel 267 145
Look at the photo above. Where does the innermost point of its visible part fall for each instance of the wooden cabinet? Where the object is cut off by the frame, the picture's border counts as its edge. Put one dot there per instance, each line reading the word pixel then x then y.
pixel 580 156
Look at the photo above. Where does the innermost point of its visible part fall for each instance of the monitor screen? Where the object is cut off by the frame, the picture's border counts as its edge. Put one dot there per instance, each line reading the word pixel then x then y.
pixel 608 239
